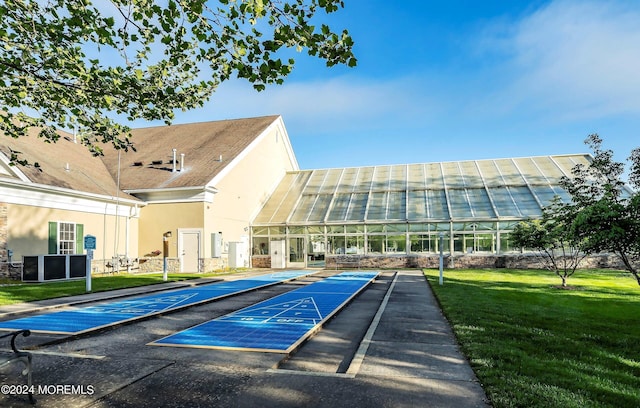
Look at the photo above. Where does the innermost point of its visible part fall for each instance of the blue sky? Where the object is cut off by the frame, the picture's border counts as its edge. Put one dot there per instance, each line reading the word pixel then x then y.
pixel 458 80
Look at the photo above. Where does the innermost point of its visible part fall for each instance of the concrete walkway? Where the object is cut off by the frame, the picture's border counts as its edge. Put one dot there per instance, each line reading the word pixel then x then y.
pixel 390 347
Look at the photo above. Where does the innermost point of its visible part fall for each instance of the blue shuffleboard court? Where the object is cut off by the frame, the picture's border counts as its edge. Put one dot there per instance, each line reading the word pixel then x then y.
pixel 91 318
pixel 278 324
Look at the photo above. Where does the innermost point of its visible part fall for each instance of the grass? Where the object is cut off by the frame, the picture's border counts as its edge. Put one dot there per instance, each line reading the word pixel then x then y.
pixel 29 292
pixel 534 345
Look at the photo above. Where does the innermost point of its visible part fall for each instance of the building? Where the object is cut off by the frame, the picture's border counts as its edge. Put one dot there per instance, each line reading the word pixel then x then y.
pixel 230 193
pixel 199 183
pixel 394 215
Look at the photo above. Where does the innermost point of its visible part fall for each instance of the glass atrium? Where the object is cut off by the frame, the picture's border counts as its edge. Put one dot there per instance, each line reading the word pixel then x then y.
pixel 403 209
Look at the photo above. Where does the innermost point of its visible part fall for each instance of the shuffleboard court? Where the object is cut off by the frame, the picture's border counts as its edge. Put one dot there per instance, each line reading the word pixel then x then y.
pixel 278 324
pixel 92 318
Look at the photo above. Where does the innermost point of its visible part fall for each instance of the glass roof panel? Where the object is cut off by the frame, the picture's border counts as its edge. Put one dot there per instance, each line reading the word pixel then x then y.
pixel 437 205
pixel 480 203
pixel 549 168
pixel 509 172
pixel 452 176
pixel 303 209
pixel 416 177
pixel 530 171
pixel 357 207
pixel 567 163
pixel 363 182
pixel 397 205
pixel 381 178
pixel 398 180
pixel 348 180
pixel 331 181
pixel 460 206
pixel 377 206
pixel 320 208
pixel 546 194
pixel 564 196
pixel 525 201
pixel 418 205
pixel 490 173
pixel 282 200
pixel 471 174
pixel 315 182
pixel 434 176
pixel 339 207
pixel 504 202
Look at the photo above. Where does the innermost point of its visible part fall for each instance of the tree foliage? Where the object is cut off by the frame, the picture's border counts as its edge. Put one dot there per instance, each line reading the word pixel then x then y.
pixel 551 239
pixel 608 211
pixel 72 64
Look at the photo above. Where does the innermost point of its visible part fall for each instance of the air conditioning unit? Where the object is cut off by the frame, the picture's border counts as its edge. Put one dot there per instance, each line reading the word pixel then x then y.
pixel 42 268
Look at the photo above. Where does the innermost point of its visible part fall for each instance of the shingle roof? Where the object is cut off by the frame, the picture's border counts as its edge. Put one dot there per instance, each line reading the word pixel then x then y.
pixel 202 144
pixel 64 164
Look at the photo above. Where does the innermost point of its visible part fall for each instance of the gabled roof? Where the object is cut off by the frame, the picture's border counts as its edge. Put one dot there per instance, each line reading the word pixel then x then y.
pixel 65 164
pixel 151 165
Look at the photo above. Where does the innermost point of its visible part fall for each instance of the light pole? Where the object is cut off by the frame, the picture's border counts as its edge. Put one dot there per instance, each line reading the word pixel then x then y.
pixel 165 253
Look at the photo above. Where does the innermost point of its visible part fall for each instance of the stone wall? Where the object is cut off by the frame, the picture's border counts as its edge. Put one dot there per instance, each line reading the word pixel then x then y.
pixel 511 261
pixel 261 261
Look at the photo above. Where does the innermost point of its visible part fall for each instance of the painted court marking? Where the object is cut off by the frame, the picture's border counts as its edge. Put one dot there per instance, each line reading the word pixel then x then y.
pixel 278 324
pixel 92 318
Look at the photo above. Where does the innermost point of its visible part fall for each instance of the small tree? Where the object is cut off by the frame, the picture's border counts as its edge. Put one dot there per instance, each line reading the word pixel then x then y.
pixel 607 211
pixel 551 239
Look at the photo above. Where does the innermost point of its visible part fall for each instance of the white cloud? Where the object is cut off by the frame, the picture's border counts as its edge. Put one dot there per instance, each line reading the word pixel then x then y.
pixel 333 104
pixel 574 58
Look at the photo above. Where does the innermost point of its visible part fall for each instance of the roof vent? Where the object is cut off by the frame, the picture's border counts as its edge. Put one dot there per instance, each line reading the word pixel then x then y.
pixel 174 160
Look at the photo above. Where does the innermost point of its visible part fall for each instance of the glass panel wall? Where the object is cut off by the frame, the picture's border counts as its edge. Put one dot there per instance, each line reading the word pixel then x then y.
pixel 402 208
pixel 316 250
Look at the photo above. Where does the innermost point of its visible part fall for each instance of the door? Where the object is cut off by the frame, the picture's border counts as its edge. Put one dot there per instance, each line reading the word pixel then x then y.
pixel 297 253
pixel 189 250
pixel 278 251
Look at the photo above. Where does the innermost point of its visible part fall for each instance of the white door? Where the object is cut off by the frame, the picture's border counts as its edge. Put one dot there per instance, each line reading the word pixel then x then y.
pixel 189 250
pixel 278 253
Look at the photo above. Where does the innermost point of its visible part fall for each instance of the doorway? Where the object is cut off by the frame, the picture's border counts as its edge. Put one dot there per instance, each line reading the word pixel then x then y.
pixel 189 242
pixel 297 253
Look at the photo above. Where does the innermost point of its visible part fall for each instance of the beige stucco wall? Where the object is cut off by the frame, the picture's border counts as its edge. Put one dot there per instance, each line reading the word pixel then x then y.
pixel 156 219
pixel 28 231
pixel 245 189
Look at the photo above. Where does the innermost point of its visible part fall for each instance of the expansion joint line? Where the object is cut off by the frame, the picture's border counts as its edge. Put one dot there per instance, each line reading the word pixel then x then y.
pixel 358 358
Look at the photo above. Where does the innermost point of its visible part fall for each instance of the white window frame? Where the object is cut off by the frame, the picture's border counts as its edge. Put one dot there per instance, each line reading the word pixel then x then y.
pixel 70 249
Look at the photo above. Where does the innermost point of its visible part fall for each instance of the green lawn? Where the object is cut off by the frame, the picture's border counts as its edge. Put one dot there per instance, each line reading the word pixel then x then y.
pixel 534 345
pixel 38 291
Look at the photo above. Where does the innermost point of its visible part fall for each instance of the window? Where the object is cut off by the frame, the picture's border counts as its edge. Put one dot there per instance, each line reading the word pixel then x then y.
pixel 66 238
pixel 336 244
pixel 260 245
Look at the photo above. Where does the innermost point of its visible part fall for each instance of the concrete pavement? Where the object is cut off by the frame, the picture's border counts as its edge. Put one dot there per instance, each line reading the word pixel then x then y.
pixel 390 347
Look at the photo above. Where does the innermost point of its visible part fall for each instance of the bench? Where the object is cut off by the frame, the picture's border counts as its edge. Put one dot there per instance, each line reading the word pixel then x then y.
pixel 15 355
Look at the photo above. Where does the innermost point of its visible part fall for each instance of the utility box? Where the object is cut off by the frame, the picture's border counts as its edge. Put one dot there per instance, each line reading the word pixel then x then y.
pixel 216 245
pixel 41 268
pixel 238 255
